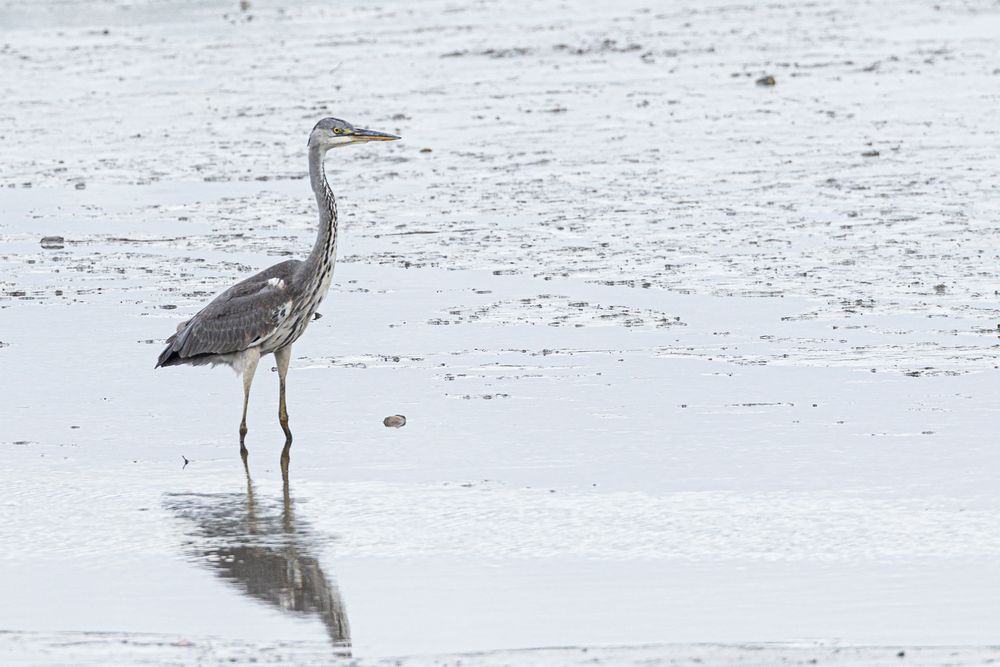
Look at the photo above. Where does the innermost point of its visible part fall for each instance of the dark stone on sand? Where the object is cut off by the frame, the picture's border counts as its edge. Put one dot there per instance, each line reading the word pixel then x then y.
pixel 394 421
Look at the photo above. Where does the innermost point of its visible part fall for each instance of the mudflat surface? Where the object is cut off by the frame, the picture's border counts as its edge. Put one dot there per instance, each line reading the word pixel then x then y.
pixel 100 649
pixel 684 358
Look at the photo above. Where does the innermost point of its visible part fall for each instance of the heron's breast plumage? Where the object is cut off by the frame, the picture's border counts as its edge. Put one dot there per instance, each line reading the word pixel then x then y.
pixel 302 310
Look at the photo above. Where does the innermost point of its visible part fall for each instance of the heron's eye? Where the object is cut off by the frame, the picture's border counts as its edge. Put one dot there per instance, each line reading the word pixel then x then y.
pixel 338 130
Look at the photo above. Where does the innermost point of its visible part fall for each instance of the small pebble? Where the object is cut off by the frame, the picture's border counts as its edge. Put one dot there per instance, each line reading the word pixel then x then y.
pixel 53 242
pixel 394 421
pixel 766 81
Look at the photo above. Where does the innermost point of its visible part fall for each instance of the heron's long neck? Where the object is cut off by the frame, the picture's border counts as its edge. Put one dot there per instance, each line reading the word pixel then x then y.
pixel 324 252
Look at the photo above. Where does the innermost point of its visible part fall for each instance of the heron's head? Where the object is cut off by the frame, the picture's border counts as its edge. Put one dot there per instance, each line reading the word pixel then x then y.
pixel 333 133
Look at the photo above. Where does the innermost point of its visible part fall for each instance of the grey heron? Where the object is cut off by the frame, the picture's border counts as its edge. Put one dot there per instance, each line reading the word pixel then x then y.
pixel 267 312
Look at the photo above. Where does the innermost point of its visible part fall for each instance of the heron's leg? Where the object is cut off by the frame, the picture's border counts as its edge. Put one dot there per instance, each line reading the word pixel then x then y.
pixel 250 359
pixel 283 356
pixel 284 468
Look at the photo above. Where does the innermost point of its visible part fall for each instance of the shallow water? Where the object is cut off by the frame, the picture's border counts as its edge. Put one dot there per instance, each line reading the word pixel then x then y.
pixel 679 362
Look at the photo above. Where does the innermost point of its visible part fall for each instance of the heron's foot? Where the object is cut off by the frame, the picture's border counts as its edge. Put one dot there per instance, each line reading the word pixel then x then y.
pixel 283 420
pixel 285 459
pixel 243 447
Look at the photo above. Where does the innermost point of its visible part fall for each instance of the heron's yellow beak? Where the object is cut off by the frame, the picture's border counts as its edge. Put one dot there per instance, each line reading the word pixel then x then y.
pixel 372 135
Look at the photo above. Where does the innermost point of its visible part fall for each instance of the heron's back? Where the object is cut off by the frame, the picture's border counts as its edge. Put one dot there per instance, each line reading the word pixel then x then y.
pixel 267 310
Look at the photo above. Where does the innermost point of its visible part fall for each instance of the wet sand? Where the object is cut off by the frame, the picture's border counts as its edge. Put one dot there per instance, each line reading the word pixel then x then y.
pixel 91 649
pixel 690 365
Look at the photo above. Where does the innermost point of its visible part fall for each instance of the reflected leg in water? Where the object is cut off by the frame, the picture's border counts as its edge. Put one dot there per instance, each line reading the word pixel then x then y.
pixel 258 546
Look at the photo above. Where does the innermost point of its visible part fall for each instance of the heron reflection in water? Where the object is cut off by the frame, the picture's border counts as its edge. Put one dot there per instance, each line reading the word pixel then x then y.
pixel 264 552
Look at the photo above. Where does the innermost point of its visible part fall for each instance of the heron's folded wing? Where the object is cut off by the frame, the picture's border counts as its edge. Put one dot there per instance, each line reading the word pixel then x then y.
pixel 240 318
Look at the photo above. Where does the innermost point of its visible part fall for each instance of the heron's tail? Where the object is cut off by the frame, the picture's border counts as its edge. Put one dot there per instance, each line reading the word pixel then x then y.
pixel 169 357
pixel 171 354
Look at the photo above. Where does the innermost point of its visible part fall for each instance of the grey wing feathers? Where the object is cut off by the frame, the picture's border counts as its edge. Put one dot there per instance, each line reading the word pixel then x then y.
pixel 237 319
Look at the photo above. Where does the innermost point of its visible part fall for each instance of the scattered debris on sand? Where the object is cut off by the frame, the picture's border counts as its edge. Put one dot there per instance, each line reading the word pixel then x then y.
pixel 394 421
